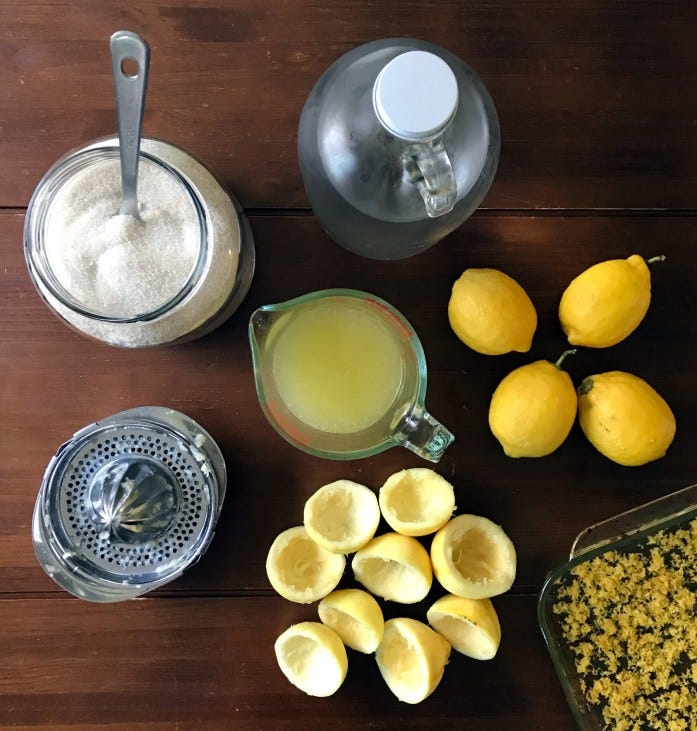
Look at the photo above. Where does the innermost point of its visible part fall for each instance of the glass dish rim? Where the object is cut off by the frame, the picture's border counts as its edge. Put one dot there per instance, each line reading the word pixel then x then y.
pixel 564 669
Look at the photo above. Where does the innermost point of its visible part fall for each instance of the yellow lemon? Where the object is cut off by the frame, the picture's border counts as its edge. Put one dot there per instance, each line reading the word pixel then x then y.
pixel 411 658
pixel 417 501
pixel 313 658
pixel 533 409
pixel 355 616
pixel 473 557
pixel 299 569
pixel 395 567
pixel 342 516
pixel 624 418
pixel 606 302
pixel 491 313
pixel 471 626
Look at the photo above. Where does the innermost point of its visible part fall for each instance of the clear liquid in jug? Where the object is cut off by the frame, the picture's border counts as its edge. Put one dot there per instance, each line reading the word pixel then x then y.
pixel 398 144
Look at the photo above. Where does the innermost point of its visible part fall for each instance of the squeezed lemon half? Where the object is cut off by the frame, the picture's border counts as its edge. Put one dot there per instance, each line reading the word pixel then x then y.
pixel 395 567
pixel 355 616
pixel 299 569
pixel 411 658
pixel 470 555
pixel 417 501
pixel 312 657
pixel 473 557
pixel 342 516
pixel 471 626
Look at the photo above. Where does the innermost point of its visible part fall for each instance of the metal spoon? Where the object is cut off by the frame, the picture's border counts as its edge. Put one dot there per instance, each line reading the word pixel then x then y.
pixel 129 48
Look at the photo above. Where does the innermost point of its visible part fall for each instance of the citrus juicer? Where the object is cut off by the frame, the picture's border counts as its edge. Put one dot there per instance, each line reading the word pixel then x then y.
pixel 128 503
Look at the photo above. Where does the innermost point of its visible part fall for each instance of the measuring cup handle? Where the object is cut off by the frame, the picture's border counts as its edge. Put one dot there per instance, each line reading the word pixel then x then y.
pixel 424 435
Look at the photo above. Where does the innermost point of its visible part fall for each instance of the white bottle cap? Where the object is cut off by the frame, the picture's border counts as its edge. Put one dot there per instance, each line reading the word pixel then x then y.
pixel 415 95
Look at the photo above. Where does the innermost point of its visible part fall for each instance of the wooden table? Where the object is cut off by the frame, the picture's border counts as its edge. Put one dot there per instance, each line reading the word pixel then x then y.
pixel 599 160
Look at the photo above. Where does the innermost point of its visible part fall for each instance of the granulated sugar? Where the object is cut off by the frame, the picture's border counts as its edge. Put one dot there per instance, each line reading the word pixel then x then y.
pixel 163 253
pixel 117 265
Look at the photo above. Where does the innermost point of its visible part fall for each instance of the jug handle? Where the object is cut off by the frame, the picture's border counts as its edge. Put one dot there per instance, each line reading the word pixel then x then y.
pixel 423 435
pixel 427 165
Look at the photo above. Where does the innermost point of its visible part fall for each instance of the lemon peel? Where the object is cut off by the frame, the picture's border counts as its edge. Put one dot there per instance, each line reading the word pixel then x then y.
pixel 416 501
pixel 473 557
pixel 411 659
pixel 394 567
pixel 342 516
pixel 471 626
pixel 299 569
pixel 355 616
pixel 312 657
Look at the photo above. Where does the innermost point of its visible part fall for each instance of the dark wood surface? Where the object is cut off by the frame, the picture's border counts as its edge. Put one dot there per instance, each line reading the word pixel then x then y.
pixel 599 160
pixel 596 97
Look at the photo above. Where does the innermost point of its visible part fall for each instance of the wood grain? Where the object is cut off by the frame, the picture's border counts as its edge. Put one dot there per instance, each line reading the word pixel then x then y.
pixel 599 160
pixel 55 381
pixel 193 664
pixel 596 97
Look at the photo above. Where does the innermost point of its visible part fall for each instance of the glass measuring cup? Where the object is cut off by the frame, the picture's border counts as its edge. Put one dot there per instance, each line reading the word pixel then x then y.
pixel 341 374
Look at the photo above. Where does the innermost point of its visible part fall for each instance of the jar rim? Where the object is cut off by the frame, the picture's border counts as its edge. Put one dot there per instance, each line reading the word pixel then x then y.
pixel 35 230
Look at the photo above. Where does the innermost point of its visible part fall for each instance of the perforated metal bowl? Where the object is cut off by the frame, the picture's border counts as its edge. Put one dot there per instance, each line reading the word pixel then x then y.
pixel 128 503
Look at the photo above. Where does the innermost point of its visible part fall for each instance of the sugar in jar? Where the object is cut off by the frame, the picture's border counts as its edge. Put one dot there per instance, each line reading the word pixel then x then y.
pixel 174 273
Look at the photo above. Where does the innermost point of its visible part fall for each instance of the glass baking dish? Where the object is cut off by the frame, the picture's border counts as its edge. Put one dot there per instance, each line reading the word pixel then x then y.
pixel 625 533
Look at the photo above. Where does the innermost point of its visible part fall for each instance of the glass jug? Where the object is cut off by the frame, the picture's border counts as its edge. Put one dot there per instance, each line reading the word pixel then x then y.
pixel 398 144
pixel 341 374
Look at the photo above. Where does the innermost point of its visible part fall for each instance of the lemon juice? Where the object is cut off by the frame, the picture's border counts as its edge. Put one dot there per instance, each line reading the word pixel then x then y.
pixel 338 364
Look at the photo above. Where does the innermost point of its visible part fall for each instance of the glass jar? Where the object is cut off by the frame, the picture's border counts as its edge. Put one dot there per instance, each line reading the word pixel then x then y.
pixel 212 277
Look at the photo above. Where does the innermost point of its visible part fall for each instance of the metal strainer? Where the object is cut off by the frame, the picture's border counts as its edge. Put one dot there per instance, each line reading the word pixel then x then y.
pixel 128 503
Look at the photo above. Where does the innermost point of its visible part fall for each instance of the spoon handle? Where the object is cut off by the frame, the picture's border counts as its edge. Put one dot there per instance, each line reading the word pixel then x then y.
pixel 130 85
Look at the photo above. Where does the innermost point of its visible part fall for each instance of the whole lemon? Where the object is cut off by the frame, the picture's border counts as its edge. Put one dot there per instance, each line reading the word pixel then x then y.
pixel 491 313
pixel 533 409
pixel 606 302
pixel 624 418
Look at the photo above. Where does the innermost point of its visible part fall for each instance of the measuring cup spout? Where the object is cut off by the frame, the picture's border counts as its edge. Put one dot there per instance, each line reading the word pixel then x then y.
pixel 424 435
pixel 260 324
